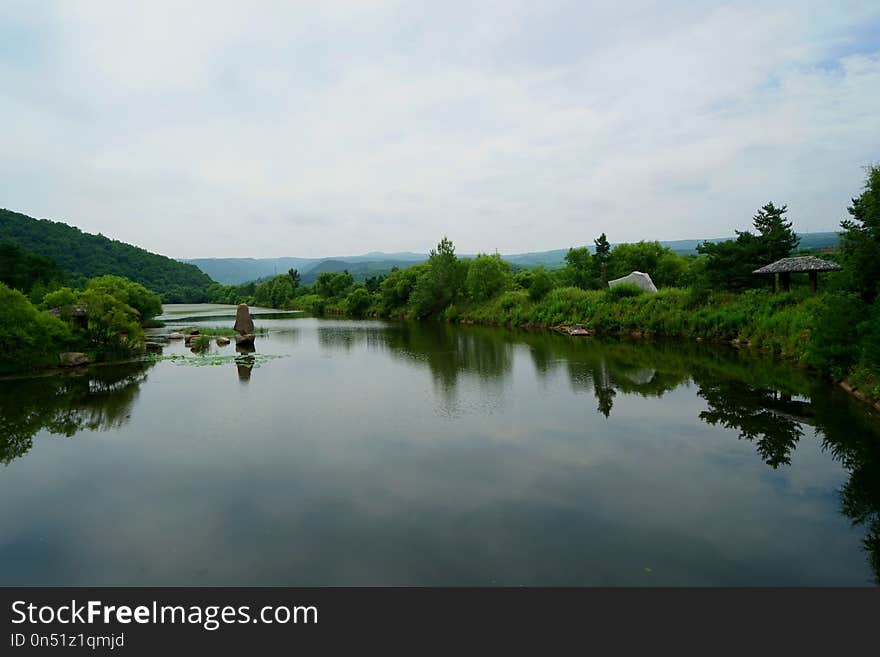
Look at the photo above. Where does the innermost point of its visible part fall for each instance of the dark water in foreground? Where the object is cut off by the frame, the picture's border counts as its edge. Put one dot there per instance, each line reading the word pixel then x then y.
pixel 374 453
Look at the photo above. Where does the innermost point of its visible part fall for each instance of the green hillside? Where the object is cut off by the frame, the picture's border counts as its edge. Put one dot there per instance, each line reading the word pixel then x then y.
pixel 359 270
pixel 82 256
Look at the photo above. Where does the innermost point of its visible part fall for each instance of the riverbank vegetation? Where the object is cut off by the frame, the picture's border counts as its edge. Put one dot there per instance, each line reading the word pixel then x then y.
pixel 712 296
pixel 103 320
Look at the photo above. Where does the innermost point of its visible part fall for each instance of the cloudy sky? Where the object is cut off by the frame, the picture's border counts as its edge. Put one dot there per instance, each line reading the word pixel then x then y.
pixel 325 128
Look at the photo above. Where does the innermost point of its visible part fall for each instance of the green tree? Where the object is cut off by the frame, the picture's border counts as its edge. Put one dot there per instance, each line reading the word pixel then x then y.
pixel 113 326
pixel 487 276
pixel 146 303
pixel 332 285
pixel 860 239
pixel 398 286
pixel 294 276
pixel 777 237
pixel 660 262
pixel 729 264
pixel 28 338
pixel 359 301
pixel 578 269
pixel 603 253
pixel 59 298
pixel 440 283
pixel 541 284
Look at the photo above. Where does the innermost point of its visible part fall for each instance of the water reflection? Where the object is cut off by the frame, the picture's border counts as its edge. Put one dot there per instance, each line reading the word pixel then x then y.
pixel 772 408
pixel 99 399
pixel 245 360
pixel 768 403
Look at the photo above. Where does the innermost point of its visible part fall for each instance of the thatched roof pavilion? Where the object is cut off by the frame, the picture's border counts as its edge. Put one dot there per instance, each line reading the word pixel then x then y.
pixel 801 265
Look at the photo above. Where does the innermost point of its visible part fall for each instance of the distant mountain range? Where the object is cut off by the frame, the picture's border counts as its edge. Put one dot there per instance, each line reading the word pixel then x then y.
pixel 233 271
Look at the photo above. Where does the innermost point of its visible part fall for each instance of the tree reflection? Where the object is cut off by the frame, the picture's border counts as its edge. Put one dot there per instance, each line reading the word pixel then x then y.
pixel 64 404
pixel 775 422
pixel 766 417
pixel 854 440
pixel 451 352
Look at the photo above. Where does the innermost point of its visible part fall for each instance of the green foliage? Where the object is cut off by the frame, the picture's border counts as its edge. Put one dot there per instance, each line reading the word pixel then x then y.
pixel 398 287
pixel 29 338
pixel 834 340
pixel 25 271
pixel 487 276
pixel 374 283
pixel 541 284
pixel 777 237
pixel 277 292
pixel 133 294
pixel 82 256
pixel 439 282
pixel 334 285
pixel 233 294
pixel 661 263
pixel 60 298
pixel 578 270
pixel 860 240
pixel 601 258
pixel 359 301
pixel 113 327
pixel 729 265
pixel 313 303
pixel 623 290
pixel 201 344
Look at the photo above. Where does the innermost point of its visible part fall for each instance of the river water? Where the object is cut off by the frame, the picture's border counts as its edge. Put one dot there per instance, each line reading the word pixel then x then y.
pixel 383 453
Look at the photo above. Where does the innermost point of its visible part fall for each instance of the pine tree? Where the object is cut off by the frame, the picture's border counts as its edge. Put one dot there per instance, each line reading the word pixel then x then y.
pixel 603 252
pixel 775 233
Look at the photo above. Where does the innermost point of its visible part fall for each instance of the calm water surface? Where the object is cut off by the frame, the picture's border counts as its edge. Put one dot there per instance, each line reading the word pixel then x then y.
pixel 370 453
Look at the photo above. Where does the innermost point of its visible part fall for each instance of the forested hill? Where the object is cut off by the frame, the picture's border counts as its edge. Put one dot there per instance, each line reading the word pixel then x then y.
pixel 82 256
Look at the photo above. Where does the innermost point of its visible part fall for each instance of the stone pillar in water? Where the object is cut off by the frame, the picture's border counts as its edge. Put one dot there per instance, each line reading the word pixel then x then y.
pixel 244 324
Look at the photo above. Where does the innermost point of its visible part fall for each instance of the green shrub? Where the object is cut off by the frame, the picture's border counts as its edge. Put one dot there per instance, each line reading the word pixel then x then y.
pixel 201 344
pixel 29 338
pixel 623 290
pixel 358 302
pixel 540 284
pixel 834 341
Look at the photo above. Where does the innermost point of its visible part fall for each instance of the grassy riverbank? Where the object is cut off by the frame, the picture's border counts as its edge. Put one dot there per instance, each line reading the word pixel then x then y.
pixel 830 332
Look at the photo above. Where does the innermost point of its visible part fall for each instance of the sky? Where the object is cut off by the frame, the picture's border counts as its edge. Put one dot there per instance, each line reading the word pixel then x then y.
pixel 313 129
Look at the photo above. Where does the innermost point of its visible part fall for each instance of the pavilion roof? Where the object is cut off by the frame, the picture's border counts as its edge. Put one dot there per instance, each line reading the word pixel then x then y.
pixel 797 265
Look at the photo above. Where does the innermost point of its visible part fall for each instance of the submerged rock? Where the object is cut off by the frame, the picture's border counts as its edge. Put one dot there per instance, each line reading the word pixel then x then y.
pixel 222 342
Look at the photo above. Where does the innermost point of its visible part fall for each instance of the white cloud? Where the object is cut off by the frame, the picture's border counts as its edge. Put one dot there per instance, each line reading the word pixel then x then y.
pixel 271 129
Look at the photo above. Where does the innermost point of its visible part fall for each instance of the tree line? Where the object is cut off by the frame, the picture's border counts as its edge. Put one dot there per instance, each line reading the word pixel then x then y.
pixel 712 295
